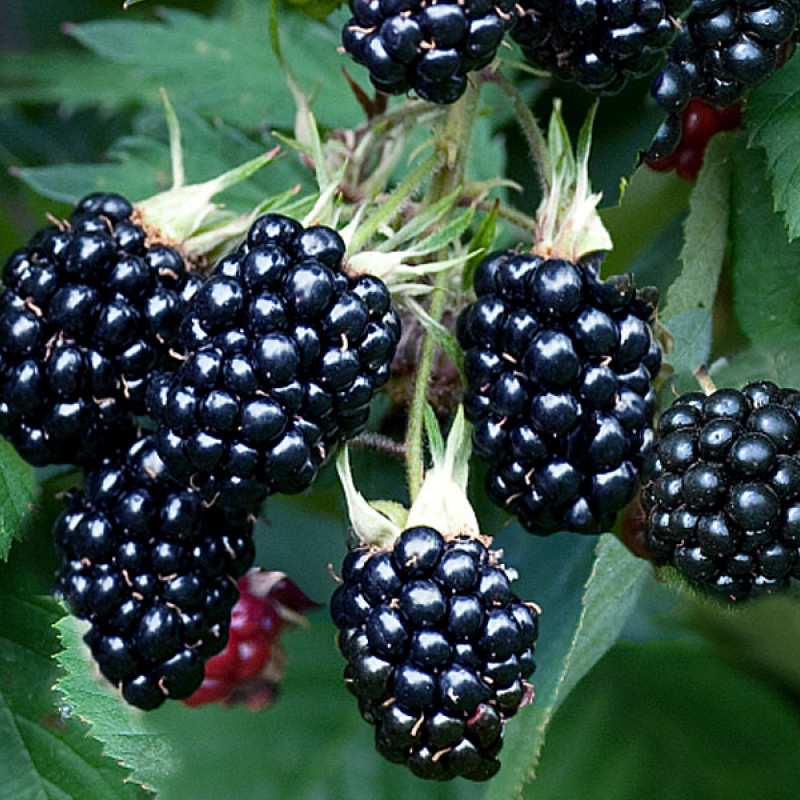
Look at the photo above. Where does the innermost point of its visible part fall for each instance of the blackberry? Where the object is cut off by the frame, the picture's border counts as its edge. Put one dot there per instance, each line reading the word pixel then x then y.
pixel 598 44
pixel 284 351
pixel 721 490
pixel 153 570
pixel 726 48
pixel 89 308
pixel 695 126
pixel 559 368
pixel 250 667
pixel 438 650
pixel 426 46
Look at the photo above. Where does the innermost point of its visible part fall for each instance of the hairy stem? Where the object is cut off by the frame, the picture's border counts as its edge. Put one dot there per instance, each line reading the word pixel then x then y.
pixel 537 143
pixel 453 144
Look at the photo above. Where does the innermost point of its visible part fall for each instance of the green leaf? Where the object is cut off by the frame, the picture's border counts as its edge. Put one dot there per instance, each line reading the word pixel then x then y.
pixel 16 494
pixel 705 234
pixel 667 720
pixel 140 166
pixel 44 753
pixel 691 331
pixel 225 67
pixel 148 756
pixel 764 265
pixel 609 597
pixel 772 115
pixel 650 201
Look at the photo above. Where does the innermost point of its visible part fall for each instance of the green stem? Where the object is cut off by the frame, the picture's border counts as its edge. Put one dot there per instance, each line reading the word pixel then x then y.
pixel 453 144
pixel 394 201
pixel 530 129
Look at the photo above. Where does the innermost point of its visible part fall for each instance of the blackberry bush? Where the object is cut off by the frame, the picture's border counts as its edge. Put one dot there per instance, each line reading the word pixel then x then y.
pixel 427 47
pixel 284 352
pixel 721 490
pixel 90 307
pixel 598 44
pixel 153 570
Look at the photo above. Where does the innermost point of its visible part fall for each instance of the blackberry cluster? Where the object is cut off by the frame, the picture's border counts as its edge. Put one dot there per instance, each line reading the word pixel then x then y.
pixel 559 368
pixel 598 44
pixel 284 351
pixel 426 45
pixel 726 48
pixel 695 125
pixel 88 310
pixel 153 570
pixel 722 490
pixel 438 651
pixel 250 667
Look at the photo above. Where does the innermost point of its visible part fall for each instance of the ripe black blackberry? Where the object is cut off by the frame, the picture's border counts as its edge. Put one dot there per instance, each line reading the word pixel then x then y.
pixel 559 368
pixel 428 46
pixel 89 308
pixel 598 44
pixel 154 570
pixel 284 352
pixel 438 650
pixel 726 48
pixel 721 490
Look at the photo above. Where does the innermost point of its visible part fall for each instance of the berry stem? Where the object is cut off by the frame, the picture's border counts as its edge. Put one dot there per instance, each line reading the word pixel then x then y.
pixel 453 143
pixel 394 201
pixel 530 129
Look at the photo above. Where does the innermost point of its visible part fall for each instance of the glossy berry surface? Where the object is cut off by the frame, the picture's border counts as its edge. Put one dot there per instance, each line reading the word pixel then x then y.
pixel 89 309
pixel 153 570
pixel 283 353
pixel 439 651
pixel 559 369
pixel 698 123
pixel 725 48
pixel 598 44
pixel 721 490
pixel 248 671
pixel 428 47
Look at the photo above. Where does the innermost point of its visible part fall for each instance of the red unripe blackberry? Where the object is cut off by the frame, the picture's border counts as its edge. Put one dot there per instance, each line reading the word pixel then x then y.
pixel 698 122
pixel 250 667
pixel 284 351
pixel 439 650
pixel 153 569
pixel 559 368
pixel 721 490
pixel 89 309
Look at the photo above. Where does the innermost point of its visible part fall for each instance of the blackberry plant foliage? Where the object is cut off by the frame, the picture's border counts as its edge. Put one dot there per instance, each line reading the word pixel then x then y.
pixel 184 378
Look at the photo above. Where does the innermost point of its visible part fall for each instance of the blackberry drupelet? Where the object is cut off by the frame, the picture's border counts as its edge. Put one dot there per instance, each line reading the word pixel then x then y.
pixel 598 44
pixel 426 46
pixel 438 649
pixel 284 352
pixel 559 368
pixel 153 570
pixel 726 48
pixel 248 671
pixel 721 490
pixel 89 308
